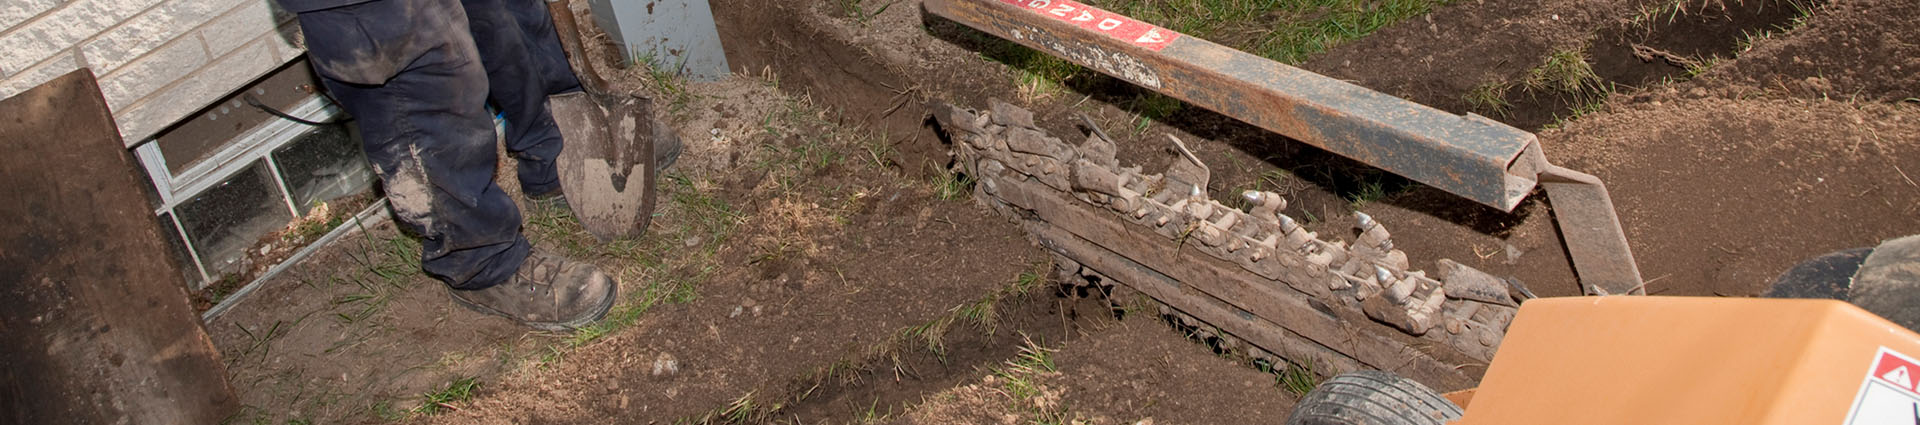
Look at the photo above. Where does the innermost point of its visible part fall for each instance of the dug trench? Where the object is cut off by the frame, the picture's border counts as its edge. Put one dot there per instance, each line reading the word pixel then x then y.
pixel 1673 44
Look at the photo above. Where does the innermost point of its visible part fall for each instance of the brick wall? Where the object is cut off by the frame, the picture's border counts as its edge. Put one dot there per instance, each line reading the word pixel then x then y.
pixel 158 60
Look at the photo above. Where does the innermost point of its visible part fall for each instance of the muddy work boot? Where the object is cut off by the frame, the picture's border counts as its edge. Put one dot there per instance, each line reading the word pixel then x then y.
pixel 552 200
pixel 549 293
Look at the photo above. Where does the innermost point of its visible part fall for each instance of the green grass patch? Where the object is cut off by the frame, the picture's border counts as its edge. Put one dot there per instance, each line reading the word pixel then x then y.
pixel 1289 31
pixel 1490 98
pixel 1298 379
pixel 458 391
pixel 668 78
pixel 949 185
pixel 1566 71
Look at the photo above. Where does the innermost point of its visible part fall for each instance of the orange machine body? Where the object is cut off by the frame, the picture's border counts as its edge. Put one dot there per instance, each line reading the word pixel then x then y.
pixel 1681 360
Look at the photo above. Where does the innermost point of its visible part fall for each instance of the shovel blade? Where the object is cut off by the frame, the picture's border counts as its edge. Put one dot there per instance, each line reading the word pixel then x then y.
pixel 606 166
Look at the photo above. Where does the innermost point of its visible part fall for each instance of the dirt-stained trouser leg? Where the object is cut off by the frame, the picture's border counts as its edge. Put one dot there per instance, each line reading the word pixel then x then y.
pixel 408 72
pixel 524 64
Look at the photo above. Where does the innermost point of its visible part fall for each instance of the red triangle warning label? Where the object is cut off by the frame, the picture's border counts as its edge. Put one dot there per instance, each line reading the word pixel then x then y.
pixel 1898 376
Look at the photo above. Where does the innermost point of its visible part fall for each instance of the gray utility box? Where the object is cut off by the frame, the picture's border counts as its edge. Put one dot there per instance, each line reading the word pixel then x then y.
pixel 675 35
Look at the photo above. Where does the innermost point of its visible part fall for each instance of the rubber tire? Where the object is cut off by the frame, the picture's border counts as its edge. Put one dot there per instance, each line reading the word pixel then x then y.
pixel 1372 397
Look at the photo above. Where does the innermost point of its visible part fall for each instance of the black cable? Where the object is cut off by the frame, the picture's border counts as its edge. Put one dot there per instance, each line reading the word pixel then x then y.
pixel 276 112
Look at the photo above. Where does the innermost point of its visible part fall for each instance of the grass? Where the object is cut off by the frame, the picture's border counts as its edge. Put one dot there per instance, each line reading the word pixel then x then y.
pixel 746 409
pixel 862 12
pixel 1367 192
pixel 1297 378
pixel 949 185
pixel 872 414
pixel 1565 71
pixel 458 391
pixel 1019 379
pixel 1149 107
pixel 1489 98
pixel 669 80
pixel 1033 87
pixel 1288 31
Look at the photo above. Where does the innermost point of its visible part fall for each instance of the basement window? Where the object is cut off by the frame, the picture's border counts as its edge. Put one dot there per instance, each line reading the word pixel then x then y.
pixel 243 189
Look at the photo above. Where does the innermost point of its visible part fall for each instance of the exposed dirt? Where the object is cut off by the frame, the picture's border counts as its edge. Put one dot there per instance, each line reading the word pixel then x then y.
pixel 1720 196
pixel 354 331
pixel 1123 372
pixel 814 263
pixel 1864 50
pixel 1438 59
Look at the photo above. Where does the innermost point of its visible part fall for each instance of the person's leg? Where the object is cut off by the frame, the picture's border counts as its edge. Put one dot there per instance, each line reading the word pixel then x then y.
pixel 519 58
pixel 426 131
pixel 543 44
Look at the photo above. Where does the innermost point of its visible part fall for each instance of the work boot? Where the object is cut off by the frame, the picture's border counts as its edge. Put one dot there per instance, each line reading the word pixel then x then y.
pixel 549 293
pixel 552 200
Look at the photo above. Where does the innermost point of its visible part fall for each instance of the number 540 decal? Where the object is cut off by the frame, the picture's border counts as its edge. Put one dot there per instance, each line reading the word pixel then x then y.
pixel 1092 18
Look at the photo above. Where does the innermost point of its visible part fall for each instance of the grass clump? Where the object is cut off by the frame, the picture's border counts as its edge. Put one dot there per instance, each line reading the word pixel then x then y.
pixel 949 185
pixel 1020 379
pixel 460 390
pixel 1566 71
pixel 1490 98
pixel 1298 379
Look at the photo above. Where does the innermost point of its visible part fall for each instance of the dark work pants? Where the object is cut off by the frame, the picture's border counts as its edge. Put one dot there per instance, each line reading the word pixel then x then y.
pixel 417 75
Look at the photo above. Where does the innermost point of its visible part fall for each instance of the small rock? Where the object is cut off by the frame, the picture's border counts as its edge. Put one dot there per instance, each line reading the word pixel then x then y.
pixel 664 364
pixel 756 310
pixel 735 313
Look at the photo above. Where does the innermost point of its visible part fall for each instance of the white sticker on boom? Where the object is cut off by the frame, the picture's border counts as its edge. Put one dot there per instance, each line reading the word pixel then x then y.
pixel 1888 395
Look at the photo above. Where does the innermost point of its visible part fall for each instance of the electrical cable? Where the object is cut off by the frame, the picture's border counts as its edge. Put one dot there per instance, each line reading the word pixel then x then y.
pixel 278 113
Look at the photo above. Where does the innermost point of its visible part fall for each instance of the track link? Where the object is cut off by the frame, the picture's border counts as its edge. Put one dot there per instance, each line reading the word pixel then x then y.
pixel 1256 274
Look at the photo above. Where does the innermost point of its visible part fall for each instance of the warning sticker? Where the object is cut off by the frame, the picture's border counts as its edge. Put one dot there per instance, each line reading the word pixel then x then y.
pixel 1093 19
pixel 1890 394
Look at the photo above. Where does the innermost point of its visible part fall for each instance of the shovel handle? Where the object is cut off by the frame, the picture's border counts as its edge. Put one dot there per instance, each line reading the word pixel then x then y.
pixel 569 31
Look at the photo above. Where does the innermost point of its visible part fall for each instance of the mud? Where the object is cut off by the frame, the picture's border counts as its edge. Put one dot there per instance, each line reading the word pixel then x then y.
pixel 1720 196
pixel 1857 50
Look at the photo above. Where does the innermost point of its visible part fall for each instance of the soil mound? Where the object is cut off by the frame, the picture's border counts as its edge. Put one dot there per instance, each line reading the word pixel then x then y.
pixel 1719 196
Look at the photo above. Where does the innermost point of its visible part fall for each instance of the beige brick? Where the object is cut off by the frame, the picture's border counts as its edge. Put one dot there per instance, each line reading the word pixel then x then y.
pixel 148 115
pixel 60 65
pixel 13 12
pixel 245 22
pixel 150 29
pixel 43 37
pixel 153 71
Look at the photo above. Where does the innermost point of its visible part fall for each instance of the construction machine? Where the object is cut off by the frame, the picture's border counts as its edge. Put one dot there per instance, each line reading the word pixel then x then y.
pixel 1256 279
pixel 1258 282
pixel 1845 355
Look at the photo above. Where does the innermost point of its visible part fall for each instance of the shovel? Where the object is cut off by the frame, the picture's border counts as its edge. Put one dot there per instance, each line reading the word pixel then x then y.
pixel 607 166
